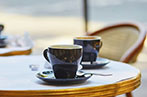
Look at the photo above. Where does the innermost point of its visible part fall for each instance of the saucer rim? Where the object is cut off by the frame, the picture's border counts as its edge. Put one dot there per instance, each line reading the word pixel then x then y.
pixel 62 81
pixel 3 37
pixel 2 45
pixel 95 66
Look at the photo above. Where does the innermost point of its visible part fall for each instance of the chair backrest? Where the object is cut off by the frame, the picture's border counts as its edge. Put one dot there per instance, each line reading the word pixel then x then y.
pixel 121 42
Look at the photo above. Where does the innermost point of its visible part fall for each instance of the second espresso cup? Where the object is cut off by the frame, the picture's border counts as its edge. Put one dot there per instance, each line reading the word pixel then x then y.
pixel 91 46
pixel 64 59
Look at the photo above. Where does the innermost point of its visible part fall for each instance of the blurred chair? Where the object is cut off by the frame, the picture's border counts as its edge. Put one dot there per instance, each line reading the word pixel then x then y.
pixel 121 42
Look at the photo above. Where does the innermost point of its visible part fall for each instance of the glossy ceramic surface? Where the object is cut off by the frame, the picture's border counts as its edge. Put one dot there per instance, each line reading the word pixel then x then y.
pixel 1 28
pixel 64 59
pixel 48 77
pixel 2 41
pixel 100 62
pixel 2 38
pixel 91 46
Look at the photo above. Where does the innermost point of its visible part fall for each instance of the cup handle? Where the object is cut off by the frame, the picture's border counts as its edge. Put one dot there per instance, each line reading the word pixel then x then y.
pixel 99 46
pixel 101 43
pixel 45 55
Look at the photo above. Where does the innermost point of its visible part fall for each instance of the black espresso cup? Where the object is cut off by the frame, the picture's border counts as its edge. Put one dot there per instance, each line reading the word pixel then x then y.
pixel 91 46
pixel 64 59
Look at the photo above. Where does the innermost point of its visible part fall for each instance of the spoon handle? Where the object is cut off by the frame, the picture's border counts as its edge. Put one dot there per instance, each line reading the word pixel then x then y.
pixel 99 74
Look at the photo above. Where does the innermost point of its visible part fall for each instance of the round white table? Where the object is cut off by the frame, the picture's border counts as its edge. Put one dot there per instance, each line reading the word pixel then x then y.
pixel 18 80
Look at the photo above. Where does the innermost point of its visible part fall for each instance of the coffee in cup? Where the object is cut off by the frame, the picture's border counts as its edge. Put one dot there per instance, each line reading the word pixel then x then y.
pixel 64 59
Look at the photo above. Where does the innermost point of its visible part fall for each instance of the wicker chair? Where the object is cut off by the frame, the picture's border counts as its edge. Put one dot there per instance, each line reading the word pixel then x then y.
pixel 121 42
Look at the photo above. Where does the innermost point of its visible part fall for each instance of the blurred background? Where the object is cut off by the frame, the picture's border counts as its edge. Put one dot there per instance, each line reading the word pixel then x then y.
pixel 53 19
pixel 58 21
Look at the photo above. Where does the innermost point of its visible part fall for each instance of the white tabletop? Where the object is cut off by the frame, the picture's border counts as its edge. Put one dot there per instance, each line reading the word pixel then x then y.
pixel 16 74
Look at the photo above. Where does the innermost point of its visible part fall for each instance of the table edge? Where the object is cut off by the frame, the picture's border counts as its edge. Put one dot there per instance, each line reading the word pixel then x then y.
pixel 114 89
